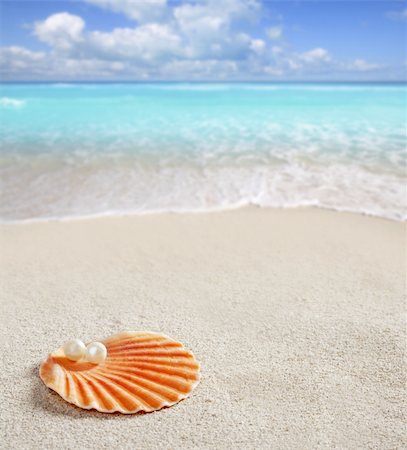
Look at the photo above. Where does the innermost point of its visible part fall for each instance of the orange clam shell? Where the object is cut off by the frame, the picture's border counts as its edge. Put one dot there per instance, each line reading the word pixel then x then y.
pixel 143 372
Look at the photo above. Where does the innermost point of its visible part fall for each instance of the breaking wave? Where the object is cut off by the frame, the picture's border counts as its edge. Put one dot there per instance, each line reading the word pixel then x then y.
pixel 7 102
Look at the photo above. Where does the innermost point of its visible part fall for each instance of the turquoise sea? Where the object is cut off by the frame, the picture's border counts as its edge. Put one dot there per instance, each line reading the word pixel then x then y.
pixel 74 150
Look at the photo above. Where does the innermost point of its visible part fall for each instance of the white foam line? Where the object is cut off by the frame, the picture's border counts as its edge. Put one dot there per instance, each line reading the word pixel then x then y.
pixel 242 205
pixel 8 102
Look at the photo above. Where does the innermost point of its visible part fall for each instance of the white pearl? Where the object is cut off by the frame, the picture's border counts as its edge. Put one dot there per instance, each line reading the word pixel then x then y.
pixel 96 352
pixel 74 350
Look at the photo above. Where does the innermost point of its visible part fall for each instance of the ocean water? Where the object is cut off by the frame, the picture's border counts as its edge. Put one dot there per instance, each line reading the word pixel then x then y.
pixel 73 150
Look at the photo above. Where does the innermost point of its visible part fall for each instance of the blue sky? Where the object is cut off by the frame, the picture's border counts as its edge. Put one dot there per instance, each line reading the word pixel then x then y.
pixel 203 39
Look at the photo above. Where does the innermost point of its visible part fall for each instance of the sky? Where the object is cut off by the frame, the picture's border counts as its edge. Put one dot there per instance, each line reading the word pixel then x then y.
pixel 216 40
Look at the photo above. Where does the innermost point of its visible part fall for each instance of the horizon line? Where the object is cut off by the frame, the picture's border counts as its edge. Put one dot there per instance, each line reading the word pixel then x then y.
pixel 205 81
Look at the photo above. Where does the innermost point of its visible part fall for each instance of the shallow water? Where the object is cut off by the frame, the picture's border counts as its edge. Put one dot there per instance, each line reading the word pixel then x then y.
pixel 72 150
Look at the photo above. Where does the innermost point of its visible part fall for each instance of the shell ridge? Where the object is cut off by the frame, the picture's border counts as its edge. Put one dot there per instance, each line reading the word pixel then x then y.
pixel 161 352
pixel 134 347
pixel 159 368
pixel 126 401
pixel 86 396
pixel 158 388
pixel 130 335
pixel 108 402
pixel 164 395
pixel 134 341
pixel 163 372
pixel 162 380
pixel 159 364
pixel 137 400
pixel 183 379
pixel 126 386
pixel 68 386
pixel 157 360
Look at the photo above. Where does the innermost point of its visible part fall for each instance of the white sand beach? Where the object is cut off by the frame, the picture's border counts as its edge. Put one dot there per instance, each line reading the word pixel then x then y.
pixel 296 316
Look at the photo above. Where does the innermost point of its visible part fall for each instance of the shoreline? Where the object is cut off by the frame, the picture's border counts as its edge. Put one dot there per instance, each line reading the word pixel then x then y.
pixel 220 210
pixel 296 316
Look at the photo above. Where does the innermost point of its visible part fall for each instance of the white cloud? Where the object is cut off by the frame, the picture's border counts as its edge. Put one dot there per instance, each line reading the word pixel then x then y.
pixel 202 28
pixel 139 10
pixel 21 52
pixel 226 10
pixel 257 45
pixel 275 32
pixel 199 21
pixel 148 43
pixel 20 60
pixel 60 30
pixel 317 63
pixel 290 63
pixel 209 39
pixel 207 28
pixel 273 71
pixel 363 66
pixel 397 15
pixel 293 63
pixel 198 69
pixel 192 31
pixel 315 55
pixel 276 50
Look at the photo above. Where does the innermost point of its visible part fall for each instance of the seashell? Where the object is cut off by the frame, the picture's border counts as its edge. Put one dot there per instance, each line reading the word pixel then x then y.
pixel 143 372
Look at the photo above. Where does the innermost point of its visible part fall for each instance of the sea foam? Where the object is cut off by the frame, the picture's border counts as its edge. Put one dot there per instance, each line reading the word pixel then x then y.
pixel 100 149
pixel 8 102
